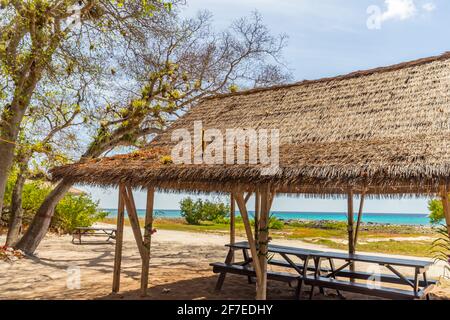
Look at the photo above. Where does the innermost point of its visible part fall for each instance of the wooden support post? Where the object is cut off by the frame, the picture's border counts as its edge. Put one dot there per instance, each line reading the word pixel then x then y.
pixel 446 206
pixel 272 197
pixel 351 247
pixel 247 197
pixel 257 213
pixel 119 241
pixel 147 240
pixel 232 223
pixel 358 223
pixel 248 230
pixel 134 220
pixel 263 241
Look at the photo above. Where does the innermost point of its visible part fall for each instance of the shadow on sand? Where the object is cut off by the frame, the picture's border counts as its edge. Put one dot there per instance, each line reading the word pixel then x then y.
pixel 202 288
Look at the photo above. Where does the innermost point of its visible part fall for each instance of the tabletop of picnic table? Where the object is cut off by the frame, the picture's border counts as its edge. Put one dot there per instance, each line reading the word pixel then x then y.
pixel 95 228
pixel 423 264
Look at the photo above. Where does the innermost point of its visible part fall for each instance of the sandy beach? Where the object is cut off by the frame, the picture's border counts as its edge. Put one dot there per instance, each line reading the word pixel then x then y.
pixel 179 270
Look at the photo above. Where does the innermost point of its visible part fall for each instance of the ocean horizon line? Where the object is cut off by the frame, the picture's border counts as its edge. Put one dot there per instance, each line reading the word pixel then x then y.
pixel 378 218
pixel 300 212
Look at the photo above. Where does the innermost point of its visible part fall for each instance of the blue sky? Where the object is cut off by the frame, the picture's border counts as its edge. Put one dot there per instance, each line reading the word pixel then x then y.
pixel 328 38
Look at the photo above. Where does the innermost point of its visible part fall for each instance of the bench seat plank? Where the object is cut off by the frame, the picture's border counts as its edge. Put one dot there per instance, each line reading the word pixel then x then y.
pixel 248 271
pixel 382 292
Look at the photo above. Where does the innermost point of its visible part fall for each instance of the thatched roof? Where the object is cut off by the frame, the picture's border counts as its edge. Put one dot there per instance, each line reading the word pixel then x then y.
pixel 386 130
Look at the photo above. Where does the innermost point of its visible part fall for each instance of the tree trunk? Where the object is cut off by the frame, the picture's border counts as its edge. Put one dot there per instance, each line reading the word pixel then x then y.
pixel 15 219
pixel 6 159
pixel 10 121
pixel 41 221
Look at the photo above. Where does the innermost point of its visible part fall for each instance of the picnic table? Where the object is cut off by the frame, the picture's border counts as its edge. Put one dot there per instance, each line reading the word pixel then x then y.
pixel 79 232
pixel 309 270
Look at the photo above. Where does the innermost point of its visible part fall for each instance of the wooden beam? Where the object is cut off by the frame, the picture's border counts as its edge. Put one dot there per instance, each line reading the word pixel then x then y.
pixel 272 196
pixel 351 247
pixel 358 223
pixel 147 239
pixel 119 242
pixel 247 197
pixel 263 241
pixel 239 197
pixel 134 220
pixel 257 213
pixel 446 206
pixel 232 224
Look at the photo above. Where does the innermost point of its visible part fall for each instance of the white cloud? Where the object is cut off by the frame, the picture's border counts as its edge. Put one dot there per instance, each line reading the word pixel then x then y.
pixel 429 6
pixel 399 10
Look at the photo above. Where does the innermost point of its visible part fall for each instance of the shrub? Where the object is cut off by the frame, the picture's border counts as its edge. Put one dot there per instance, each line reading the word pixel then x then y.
pixel 275 223
pixel 73 210
pixel 214 211
pixel 190 211
pixel 441 246
pixel 198 211
pixel 436 211
pixel 334 225
pixel 76 211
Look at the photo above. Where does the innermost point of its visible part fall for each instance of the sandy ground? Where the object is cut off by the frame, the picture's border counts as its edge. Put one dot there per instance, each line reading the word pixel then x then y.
pixel 179 270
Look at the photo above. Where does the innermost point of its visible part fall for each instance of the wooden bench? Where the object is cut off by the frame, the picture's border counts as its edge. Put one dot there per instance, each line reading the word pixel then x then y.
pixel 78 233
pixel 362 288
pixel 330 281
pixel 359 275
pixel 222 268
pixel 332 277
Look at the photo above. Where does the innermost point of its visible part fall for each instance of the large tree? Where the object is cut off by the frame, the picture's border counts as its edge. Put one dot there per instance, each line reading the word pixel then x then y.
pixel 177 63
pixel 48 138
pixel 48 39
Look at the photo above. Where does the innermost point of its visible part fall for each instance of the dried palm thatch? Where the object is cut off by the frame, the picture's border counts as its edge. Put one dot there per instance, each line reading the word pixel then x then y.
pixel 384 130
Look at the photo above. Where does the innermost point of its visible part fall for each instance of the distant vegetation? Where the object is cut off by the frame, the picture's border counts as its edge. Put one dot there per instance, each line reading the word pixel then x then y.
pixel 436 211
pixel 216 212
pixel 73 210
pixel 199 211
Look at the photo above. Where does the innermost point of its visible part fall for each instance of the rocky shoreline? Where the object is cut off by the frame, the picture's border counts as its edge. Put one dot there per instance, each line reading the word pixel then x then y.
pixel 366 226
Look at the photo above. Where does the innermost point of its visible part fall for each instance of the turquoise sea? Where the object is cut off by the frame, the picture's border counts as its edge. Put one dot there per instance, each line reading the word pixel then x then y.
pixel 385 218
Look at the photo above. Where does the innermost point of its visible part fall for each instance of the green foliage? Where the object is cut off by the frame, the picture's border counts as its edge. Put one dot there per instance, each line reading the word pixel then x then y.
pixel 275 223
pixel 9 186
pixel 190 211
pixel 441 246
pixel 326 225
pixel 76 211
pixel 34 193
pixel 198 211
pixel 436 211
pixel 72 211
pixel 233 88
pixel 334 225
